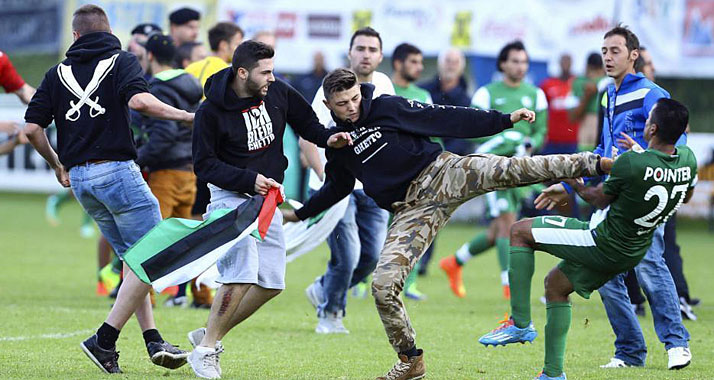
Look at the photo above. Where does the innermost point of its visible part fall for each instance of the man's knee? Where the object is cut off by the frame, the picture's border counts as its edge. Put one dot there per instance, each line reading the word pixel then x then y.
pixel 521 232
pixel 557 286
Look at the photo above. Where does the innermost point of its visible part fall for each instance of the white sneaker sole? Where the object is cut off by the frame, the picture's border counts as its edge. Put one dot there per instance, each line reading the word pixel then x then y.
pixel 680 366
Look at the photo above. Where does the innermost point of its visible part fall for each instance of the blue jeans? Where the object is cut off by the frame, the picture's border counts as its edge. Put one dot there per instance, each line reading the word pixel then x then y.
pixel 657 283
pixel 355 245
pixel 116 196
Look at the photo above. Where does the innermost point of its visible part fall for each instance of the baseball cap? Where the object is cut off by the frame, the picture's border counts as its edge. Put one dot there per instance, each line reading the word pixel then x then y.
pixel 146 29
pixel 161 46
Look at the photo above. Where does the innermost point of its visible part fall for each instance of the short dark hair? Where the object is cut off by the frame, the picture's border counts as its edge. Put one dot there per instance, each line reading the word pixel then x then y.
pixel 503 54
pixel 595 61
pixel 640 62
pixel 184 52
pixel 248 53
pixel 366 31
pixel 223 31
pixel 90 18
pixel 671 118
pixel 338 80
pixel 631 40
pixel 403 51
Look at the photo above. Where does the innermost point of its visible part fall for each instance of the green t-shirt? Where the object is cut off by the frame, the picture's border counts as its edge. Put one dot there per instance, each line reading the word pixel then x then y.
pixel 507 99
pixel 649 187
pixel 413 92
pixel 579 89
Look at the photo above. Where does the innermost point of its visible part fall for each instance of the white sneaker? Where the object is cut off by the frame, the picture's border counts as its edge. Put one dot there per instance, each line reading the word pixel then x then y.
pixel 314 293
pixel 686 309
pixel 181 302
pixel 679 357
pixel 205 362
pixel 331 324
pixel 615 363
pixel 196 336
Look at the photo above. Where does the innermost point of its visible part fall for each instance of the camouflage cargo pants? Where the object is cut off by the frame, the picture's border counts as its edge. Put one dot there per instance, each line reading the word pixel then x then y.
pixel 431 198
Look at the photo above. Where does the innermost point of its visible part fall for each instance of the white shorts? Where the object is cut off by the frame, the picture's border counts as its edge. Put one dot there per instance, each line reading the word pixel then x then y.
pixel 251 261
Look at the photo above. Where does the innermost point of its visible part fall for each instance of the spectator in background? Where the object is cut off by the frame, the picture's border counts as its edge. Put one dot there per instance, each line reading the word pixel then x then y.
pixel 645 65
pixel 407 66
pixel 267 37
pixel 562 136
pixel 139 35
pixel 189 53
pixel 15 136
pixel 223 38
pixel 184 25
pixel 12 82
pixel 308 84
pixel 588 89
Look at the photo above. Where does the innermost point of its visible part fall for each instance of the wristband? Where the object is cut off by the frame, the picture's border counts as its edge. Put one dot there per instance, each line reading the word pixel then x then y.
pixel 568 188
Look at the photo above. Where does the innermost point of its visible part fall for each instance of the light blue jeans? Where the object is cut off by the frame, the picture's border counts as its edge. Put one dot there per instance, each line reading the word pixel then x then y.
pixel 116 196
pixel 355 245
pixel 656 281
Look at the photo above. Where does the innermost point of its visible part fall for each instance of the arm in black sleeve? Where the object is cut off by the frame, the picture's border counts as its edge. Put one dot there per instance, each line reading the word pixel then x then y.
pixel 209 167
pixel 303 120
pixel 39 111
pixel 339 183
pixel 130 77
pixel 435 120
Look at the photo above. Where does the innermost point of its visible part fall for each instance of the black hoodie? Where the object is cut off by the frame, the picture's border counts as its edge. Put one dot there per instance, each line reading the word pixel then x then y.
pixel 392 146
pixel 97 128
pixel 169 145
pixel 234 138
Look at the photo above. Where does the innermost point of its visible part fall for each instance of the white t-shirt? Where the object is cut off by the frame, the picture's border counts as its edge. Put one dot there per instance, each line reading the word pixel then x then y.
pixel 382 85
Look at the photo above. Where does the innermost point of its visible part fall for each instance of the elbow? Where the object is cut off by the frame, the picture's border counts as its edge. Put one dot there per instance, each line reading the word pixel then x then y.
pixel 138 103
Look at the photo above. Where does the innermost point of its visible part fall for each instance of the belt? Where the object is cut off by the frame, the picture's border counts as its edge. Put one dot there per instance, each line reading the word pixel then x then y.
pixel 89 162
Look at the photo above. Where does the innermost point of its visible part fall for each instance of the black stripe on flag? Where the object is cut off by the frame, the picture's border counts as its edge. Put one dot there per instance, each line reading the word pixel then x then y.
pixel 204 240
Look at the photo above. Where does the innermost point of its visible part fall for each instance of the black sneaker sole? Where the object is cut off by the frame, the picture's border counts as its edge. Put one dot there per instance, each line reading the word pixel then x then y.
pixel 92 358
pixel 169 360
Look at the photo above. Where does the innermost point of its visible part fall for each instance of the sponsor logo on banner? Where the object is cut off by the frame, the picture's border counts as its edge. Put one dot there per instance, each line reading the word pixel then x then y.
pixel 461 33
pixel 361 18
pixel 285 27
pixel 596 25
pixel 324 26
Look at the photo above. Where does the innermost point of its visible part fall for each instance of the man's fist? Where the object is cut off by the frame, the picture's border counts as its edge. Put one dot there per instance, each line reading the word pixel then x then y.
pixel 522 114
pixel 262 184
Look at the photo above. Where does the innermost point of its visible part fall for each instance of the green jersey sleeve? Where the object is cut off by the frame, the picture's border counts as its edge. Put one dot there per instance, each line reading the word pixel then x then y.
pixel 620 175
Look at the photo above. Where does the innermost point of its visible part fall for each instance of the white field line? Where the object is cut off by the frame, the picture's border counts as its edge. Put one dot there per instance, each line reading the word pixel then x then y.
pixel 44 336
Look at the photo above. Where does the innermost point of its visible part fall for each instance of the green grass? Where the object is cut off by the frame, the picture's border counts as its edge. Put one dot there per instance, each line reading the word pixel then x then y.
pixel 47 289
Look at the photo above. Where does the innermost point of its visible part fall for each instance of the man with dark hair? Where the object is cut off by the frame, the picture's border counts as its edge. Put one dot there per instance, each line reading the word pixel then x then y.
pixel 358 236
pixel 562 136
pixel 593 255
pixel 511 93
pixel 189 53
pixel 408 174
pixel 238 150
pixel 223 39
pixel 88 95
pixel 184 25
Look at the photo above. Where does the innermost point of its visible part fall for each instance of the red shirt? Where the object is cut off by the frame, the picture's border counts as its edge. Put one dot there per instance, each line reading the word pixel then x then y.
pixel 9 79
pixel 560 101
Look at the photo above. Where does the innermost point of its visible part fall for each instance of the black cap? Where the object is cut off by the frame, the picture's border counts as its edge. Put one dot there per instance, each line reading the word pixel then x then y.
pixel 184 15
pixel 161 46
pixel 146 29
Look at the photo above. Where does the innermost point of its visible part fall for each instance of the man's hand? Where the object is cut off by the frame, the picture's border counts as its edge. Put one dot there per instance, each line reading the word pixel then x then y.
pixel 289 215
pixel 628 142
pixel 62 176
pixel 522 114
pixel 339 140
pixel 189 117
pixel 262 184
pixel 551 196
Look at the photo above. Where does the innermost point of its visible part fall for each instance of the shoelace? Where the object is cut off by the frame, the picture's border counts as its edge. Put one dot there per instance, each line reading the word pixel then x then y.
pixel 399 369
pixel 212 358
pixel 505 322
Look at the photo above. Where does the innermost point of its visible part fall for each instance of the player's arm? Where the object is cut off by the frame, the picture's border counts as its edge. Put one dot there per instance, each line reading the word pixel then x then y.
pixel 338 184
pixel 594 195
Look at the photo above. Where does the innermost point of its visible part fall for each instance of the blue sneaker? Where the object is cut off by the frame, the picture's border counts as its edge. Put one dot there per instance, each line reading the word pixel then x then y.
pixel 543 376
pixel 508 333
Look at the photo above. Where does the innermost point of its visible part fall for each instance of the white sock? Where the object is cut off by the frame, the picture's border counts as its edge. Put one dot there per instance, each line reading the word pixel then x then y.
pixel 463 254
pixel 504 278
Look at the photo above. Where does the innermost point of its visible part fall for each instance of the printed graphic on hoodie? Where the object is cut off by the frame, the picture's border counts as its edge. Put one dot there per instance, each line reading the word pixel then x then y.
pixel 259 127
pixel 84 94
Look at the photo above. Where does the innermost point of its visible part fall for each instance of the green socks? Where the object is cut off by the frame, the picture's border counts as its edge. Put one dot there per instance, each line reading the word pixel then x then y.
pixel 503 245
pixel 520 274
pixel 477 245
pixel 556 332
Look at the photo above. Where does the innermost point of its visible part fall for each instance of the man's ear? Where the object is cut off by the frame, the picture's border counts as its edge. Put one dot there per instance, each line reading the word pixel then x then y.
pixel 327 104
pixel 634 54
pixel 242 73
pixel 75 35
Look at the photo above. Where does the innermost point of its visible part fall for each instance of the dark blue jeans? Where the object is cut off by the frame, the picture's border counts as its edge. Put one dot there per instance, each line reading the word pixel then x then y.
pixel 355 245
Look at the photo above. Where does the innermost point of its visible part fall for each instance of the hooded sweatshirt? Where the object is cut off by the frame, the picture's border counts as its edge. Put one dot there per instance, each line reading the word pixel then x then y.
pixel 235 138
pixel 392 147
pixel 87 96
pixel 169 145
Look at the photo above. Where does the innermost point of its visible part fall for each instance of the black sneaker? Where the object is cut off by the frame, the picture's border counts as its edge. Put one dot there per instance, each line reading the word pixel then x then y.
pixel 107 360
pixel 166 355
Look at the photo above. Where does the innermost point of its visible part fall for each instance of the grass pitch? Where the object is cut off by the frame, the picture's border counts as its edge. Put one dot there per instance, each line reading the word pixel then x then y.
pixel 48 306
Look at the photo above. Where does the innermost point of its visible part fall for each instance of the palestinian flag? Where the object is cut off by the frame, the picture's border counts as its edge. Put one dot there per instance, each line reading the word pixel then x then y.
pixel 177 250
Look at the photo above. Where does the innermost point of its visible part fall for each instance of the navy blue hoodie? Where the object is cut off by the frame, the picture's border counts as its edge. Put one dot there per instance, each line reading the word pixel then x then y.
pixel 392 146
pixel 87 95
pixel 234 138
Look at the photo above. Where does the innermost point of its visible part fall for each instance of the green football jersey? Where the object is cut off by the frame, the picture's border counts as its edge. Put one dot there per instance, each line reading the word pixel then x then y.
pixel 413 92
pixel 649 187
pixel 507 99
